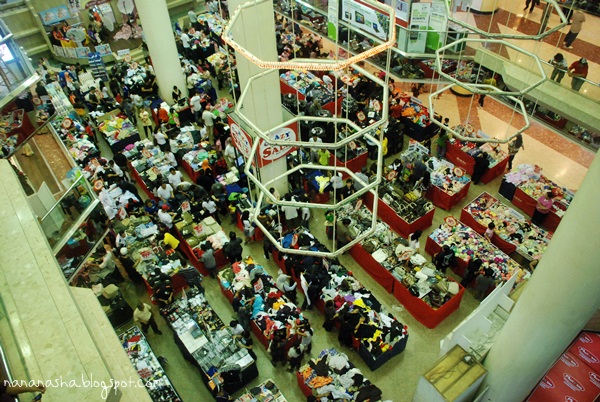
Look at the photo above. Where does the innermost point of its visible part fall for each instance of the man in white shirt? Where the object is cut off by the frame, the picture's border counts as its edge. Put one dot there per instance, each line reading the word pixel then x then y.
pixel 192 16
pixel 165 217
pixel 174 177
pixel 143 315
pixel 170 158
pixel 196 106
pixel 229 153
pixel 161 139
pixel 209 121
pixel 165 192
pixel 185 42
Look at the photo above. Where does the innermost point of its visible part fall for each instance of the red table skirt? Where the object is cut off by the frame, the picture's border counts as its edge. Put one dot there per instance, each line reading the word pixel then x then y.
pixel 444 200
pixel 381 275
pixel 422 312
pixel 527 204
pixel 469 220
pixel 354 165
pixel 399 225
pixel 139 181
pixel 303 387
pixel 188 169
pixel 433 248
pixel 456 155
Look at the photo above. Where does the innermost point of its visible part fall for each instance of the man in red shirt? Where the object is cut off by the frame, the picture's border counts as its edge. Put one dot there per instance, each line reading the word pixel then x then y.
pixel 578 70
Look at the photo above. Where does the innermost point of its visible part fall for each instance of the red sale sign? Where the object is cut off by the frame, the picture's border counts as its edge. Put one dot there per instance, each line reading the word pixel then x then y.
pixel 267 153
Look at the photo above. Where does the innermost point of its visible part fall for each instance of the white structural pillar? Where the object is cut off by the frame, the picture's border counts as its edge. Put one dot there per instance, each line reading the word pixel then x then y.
pixel 255 31
pixel 160 39
pixel 561 296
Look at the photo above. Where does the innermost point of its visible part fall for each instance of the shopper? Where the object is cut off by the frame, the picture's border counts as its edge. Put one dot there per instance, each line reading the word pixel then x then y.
pixel 576 25
pixel 342 232
pixel 233 249
pixel 489 232
pixel 483 284
pixel 306 334
pixel 143 315
pixel 329 313
pixel 248 227
pixel 165 192
pixel 542 209
pixel 579 71
pixel 413 241
pixel 174 177
pixel 472 269
pixel 210 206
pixel 314 153
pixel 209 121
pixel 295 357
pixel 146 122
pixel 347 190
pixel 235 327
pixel 277 349
pixel 165 217
pixel 8 391
pixel 208 258
pixel 533 4
pixel 196 106
pixel 513 149
pixel 191 275
pixel 323 157
pixel 560 67
pixel 442 143
pixel 245 341
pixel 444 259
pixel 161 139
pixel 481 165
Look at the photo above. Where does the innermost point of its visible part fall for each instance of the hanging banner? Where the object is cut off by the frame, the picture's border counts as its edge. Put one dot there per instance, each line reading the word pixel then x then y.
pixel 402 11
pixel 366 18
pixel 54 15
pixel 267 153
pixel 332 19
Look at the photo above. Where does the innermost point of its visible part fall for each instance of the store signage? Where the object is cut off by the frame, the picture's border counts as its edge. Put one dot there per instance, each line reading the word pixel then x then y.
pixel 94 3
pixel 55 15
pixel 332 19
pixel 366 18
pixel 402 11
pixel 267 153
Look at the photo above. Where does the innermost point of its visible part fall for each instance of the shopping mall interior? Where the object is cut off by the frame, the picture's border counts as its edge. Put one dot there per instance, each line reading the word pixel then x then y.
pixel 485 65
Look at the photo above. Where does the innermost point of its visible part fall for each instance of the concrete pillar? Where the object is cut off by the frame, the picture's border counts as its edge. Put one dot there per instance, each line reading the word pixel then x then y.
pixel 255 31
pixel 160 39
pixel 561 296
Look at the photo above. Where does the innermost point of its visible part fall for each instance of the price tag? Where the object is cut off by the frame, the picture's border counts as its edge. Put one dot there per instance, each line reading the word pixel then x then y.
pixel 185 206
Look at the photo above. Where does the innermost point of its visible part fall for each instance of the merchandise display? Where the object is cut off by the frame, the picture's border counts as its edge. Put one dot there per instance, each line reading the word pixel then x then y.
pixel 149 369
pixel 462 154
pixel 315 183
pixel 530 184
pixel 512 232
pixel 467 244
pixel 271 310
pixel 57 96
pixel 403 214
pixel 192 161
pixel 194 231
pixel 425 292
pixel 72 134
pixel 306 84
pixel 263 392
pixel 592 139
pixel 149 165
pixel 428 67
pixel 331 373
pixel 414 111
pixel 203 337
pixel 380 336
pixel 449 183
pixel 118 130
pixel 10 134
pixel 215 23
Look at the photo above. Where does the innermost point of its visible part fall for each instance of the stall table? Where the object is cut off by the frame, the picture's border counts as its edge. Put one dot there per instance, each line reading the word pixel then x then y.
pixel 332 106
pixel 264 392
pixel 354 164
pixel 399 225
pixel 444 200
pixel 420 310
pixel 456 155
pixel 527 204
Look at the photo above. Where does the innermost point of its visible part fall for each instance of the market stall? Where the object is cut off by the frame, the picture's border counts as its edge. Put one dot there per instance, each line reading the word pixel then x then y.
pixel 466 244
pixel 145 361
pixel 194 231
pixel 208 343
pixel 429 67
pixel 191 162
pixel 416 119
pixel 118 130
pixel 512 231
pixel 332 373
pixel 15 128
pixel 264 392
pixel 148 165
pixel 428 296
pixel 72 134
pixel 462 154
pixel 315 182
pixel 305 83
pixel 324 280
pixel 271 311
pixel 449 184
pixel 402 214
pixel 530 184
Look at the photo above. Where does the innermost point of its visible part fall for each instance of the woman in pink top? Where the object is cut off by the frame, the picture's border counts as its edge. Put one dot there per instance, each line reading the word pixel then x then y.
pixel 543 207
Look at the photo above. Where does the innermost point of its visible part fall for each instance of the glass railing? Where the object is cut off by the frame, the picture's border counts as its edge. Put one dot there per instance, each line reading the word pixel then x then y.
pixel 64 213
